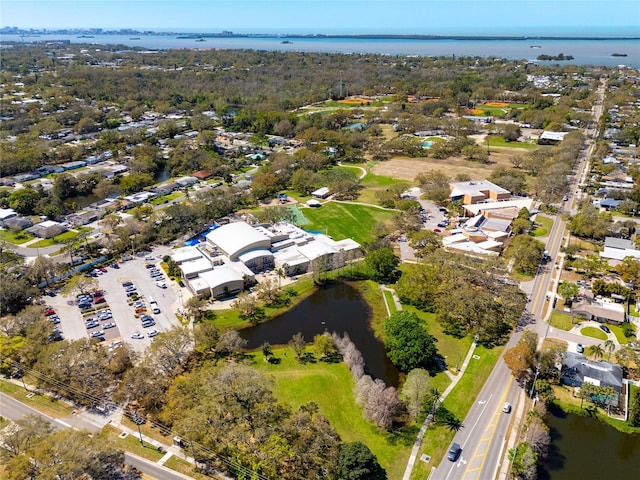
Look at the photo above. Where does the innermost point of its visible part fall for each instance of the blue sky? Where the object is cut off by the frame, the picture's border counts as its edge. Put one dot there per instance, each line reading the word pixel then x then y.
pixel 329 16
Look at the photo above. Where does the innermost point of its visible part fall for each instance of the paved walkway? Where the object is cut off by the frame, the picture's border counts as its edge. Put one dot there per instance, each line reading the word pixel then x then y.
pixel 429 419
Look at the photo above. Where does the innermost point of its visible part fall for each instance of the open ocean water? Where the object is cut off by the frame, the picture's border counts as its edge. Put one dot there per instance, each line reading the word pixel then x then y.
pixel 585 51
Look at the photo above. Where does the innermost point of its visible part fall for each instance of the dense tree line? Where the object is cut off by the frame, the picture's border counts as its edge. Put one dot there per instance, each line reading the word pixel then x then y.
pixel 469 295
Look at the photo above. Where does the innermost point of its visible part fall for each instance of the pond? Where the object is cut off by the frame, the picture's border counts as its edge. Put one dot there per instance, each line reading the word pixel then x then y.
pixel 585 448
pixel 334 308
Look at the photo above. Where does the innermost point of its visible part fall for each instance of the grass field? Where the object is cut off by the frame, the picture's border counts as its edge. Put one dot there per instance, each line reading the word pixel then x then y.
pixel 165 198
pixel 617 331
pixel 346 220
pixel 47 242
pixel 15 238
pixel 43 403
pixel 331 387
pixel 593 332
pixel 561 320
pixel 546 226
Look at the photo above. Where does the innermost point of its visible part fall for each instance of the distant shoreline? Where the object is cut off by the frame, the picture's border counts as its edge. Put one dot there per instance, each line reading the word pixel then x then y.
pixel 364 36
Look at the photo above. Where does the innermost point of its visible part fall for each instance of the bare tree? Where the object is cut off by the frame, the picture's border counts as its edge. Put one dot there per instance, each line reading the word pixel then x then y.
pixel 230 342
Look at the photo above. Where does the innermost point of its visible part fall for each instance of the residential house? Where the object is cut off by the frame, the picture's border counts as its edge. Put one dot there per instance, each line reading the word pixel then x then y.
pixel 619 249
pixel 576 370
pixel 602 310
pixel 47 229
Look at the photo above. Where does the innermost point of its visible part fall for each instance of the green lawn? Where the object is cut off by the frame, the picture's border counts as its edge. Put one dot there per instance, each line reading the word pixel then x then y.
pixel 331 387
pixel 15 238
pixel 495 141
pixel 560 320
pixel 388 298
pixel 47 242
pixel 41 402
pixel 165 198
pixel 617 331
pixel 346 220
pixel 546 226
pixel 372 183
pixel 593 332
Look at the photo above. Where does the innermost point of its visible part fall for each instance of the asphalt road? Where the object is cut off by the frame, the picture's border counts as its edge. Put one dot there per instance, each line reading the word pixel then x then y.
pixel 484 430
pixel 15 410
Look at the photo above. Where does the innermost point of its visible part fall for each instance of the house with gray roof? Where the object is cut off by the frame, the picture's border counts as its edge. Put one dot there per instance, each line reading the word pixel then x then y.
pixel 619 249
pixel 576 370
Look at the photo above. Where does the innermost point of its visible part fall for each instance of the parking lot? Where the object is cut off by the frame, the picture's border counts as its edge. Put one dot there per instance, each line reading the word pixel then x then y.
pixel 73 321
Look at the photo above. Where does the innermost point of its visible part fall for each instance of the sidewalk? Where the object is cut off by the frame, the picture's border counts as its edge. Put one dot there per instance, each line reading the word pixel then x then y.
pixel 425 425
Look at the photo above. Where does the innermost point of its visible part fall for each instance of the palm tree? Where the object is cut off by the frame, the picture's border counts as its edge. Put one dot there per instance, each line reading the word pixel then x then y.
pixel 597 351
pixel 609 346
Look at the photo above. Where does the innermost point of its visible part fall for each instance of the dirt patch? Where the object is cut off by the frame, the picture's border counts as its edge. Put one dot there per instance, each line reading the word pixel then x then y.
pixel 406 168
pixel 496 104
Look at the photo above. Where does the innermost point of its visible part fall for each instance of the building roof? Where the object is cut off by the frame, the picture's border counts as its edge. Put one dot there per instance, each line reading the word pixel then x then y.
pixel 198 285
pixel 321 192
pixel 316 249
pixel 238 237
pixel 577 368
pixel 221 276
pixel 553 136
pixel 619 249
pixel 517 202
pixel 7 213
pixel 623 243
pixel 196 266
pixel 253 254
pixel 185 254
pixel 476 188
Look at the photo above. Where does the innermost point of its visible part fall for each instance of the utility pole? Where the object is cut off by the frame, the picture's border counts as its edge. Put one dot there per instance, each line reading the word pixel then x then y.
pixel 137 420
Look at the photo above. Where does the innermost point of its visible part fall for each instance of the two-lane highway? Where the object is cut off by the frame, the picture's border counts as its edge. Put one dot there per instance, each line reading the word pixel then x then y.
pixel 482 436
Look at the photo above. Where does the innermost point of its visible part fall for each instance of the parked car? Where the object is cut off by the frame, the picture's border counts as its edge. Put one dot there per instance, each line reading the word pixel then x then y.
pixel 149 258
pixel 605 329
pixel 127 284
pixel 84 306
pixel 161 284
pixel 54 319
pixel 146 318
pixel 152 333
pixel 150 265
pixel 454 452
pixel 109 325
pixel 97 333
pixel 103 270
pixel 137 336
pixel 91 325
pixel 141 309
pixel 506 408
pixel 99 300
pixel 49 311
pixel 132 293
pixel 148 324
pixel 138 303
pixel 579 348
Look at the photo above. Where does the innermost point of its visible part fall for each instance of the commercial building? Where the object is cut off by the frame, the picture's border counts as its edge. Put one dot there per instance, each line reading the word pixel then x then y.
pixel 234 253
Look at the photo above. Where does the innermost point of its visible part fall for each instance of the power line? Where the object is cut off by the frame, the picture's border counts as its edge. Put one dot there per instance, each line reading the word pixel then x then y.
pixel 163 428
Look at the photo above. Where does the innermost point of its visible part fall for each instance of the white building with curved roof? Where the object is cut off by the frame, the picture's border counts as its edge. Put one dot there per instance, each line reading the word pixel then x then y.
pixel 234 239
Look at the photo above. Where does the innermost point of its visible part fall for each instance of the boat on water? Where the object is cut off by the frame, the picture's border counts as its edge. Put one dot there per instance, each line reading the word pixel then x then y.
pixel 86 36
pixel 618 54
pixel 134 38
pixel 200 40
pixel 286 41
pixel 535 46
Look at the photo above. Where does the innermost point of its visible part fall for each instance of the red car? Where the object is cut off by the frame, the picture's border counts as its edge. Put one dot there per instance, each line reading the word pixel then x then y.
pixel 99 300
pixel 49 311
pixel 103 270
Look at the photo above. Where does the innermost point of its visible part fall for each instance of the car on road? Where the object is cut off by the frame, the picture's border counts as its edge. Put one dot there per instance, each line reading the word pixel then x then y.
pixel 161 284
pixel 127 284
pixel 148 323
pixel 579 348
pixel 454 452
pixel 149 258
pixel 506 408
pixel 109 325
pixel 97 333
pixel 152 333
pixel 137 336
pixel 605 329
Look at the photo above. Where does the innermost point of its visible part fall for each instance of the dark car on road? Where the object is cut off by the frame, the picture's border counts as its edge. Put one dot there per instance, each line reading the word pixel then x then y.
pixel 605 329
pixel 454 452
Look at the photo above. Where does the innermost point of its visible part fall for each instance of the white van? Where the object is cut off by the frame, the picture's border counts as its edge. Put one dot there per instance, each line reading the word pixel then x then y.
pixel 153 305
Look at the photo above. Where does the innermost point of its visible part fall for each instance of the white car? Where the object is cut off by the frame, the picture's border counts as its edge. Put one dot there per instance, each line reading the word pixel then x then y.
pixel 161 284
pixel 97 333
pixel 137 336
pixel 152 333
pixel 106 326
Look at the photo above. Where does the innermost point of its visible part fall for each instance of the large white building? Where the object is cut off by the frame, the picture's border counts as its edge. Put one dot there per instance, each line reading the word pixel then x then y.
pixel 232 254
